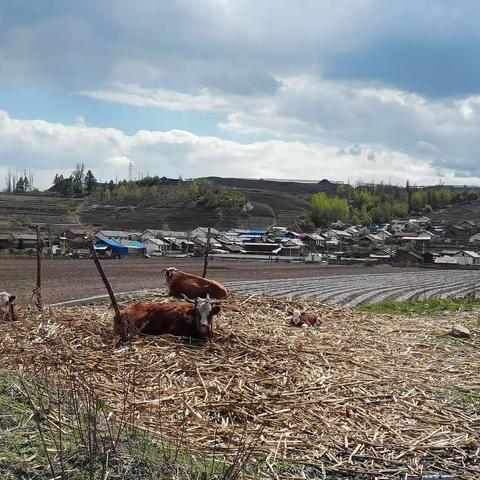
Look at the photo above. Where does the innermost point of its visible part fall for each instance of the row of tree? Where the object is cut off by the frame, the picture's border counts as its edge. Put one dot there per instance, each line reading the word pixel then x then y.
pixel 378 204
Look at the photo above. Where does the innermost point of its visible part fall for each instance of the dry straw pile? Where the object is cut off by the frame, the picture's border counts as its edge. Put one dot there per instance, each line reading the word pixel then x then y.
pixel 366 396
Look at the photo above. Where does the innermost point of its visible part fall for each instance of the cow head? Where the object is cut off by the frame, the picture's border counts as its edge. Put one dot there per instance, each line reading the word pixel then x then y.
pixel 295 320
pixel 169 273
pixel 6 306
pixel 205 310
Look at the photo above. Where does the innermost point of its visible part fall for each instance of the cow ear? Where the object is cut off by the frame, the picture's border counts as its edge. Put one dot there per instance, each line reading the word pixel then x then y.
pixel 216 310
pixel 11 298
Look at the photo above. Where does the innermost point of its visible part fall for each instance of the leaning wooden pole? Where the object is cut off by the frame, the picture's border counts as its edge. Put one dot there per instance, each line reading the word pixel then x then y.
pixel 38 289
pixel 104 278
pixel 207 254
pixel 119 324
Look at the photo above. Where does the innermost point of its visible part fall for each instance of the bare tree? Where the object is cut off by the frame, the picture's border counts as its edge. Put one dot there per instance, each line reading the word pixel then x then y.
pixel 14 180
pixel 8 181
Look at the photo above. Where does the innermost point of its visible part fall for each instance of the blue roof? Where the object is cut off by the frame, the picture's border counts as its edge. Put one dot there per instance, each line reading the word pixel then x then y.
pixel 251 231
pixel 115 246
pixel 135 244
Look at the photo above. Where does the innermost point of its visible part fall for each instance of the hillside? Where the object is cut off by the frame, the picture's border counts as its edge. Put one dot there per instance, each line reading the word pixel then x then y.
pixel 273 203
pixel 19 212
pixel 269 208
pixel 456 213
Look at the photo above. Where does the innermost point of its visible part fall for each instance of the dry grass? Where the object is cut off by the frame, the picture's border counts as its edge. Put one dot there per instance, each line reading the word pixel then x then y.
pixel 365 396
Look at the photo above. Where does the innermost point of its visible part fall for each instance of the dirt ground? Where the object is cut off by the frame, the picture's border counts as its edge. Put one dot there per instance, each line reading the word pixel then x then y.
pixel 64 280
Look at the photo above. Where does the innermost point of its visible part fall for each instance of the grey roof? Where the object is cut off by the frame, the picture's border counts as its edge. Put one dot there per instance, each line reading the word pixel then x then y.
pixel 469 253
pixel 115 233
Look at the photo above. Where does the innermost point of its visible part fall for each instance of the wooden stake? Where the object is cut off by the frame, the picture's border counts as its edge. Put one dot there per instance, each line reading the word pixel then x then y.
pixel 38 289
pixel 104 278
pixel 207 253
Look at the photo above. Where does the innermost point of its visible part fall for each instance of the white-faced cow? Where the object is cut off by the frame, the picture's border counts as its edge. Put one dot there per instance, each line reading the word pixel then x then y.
pixel 7 308
pixel 186 319
pixel 304 319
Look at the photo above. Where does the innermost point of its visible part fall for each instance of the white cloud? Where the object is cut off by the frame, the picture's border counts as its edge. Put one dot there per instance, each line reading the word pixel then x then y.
pixel 161 98
pixel 337 113
pixel 47 148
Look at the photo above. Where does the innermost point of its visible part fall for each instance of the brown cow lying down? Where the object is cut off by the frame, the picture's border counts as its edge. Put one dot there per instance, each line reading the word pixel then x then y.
pixel 181 283
pixel 304 319
pixel 7 310
pixel 175 318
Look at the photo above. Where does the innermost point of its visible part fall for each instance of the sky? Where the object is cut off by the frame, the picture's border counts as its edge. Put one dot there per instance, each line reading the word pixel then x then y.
pixel 351 90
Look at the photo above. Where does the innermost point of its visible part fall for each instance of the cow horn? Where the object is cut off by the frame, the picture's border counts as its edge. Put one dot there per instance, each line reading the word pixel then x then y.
pixel 187 299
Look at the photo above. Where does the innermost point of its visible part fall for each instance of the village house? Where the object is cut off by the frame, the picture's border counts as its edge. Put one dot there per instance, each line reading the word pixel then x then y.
pixel 312 241
pixel 474 239
pixel 261 248
pixel 27 240
pixel 467 257
pixel 292 247
pixel 468 225
pixel 150 233
pixel 332 233
pixel 75 233
pixel 432 235
pixel 384 234
pixel 75 238
pixel 408 258
pixel 117 235
pixel 111 248
pixel 202 233
pixel 416 240
pixel 248 235
pixel 232 248
pixel 369 240
pixel 354 232
pixel 445 260
pixel 457 235
pixel 155 246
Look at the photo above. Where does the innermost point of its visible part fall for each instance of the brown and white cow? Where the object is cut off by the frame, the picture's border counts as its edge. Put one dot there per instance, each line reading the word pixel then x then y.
pixel 185 284
pixel 7 308
pixel 184 319
pixel 304 319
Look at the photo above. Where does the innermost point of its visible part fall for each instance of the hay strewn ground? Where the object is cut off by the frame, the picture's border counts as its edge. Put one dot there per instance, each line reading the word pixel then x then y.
pixel 363 396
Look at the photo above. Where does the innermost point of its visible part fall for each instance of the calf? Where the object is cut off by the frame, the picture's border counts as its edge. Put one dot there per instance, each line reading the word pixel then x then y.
pixel 304 319
pixel 175 318
pixel 184 284
pixel 7 309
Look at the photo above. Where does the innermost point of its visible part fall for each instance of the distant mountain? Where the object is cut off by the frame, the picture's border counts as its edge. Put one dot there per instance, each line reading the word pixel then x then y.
pixel 287 186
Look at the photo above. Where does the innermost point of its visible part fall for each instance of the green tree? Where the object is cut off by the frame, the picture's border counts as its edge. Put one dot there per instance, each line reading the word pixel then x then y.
pixel 418 200
pixel 20 187
pixel 326 210
pixel 78 177
pixel 90 182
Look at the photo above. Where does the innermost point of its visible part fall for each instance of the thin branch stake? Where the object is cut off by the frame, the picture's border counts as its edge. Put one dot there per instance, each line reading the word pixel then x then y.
pixel 37 292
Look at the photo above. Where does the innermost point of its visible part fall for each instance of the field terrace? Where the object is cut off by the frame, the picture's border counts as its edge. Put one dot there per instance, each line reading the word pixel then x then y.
pixel 364 396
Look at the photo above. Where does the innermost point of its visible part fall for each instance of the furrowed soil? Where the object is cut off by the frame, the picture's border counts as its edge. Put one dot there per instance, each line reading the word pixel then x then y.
pixel 64 280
